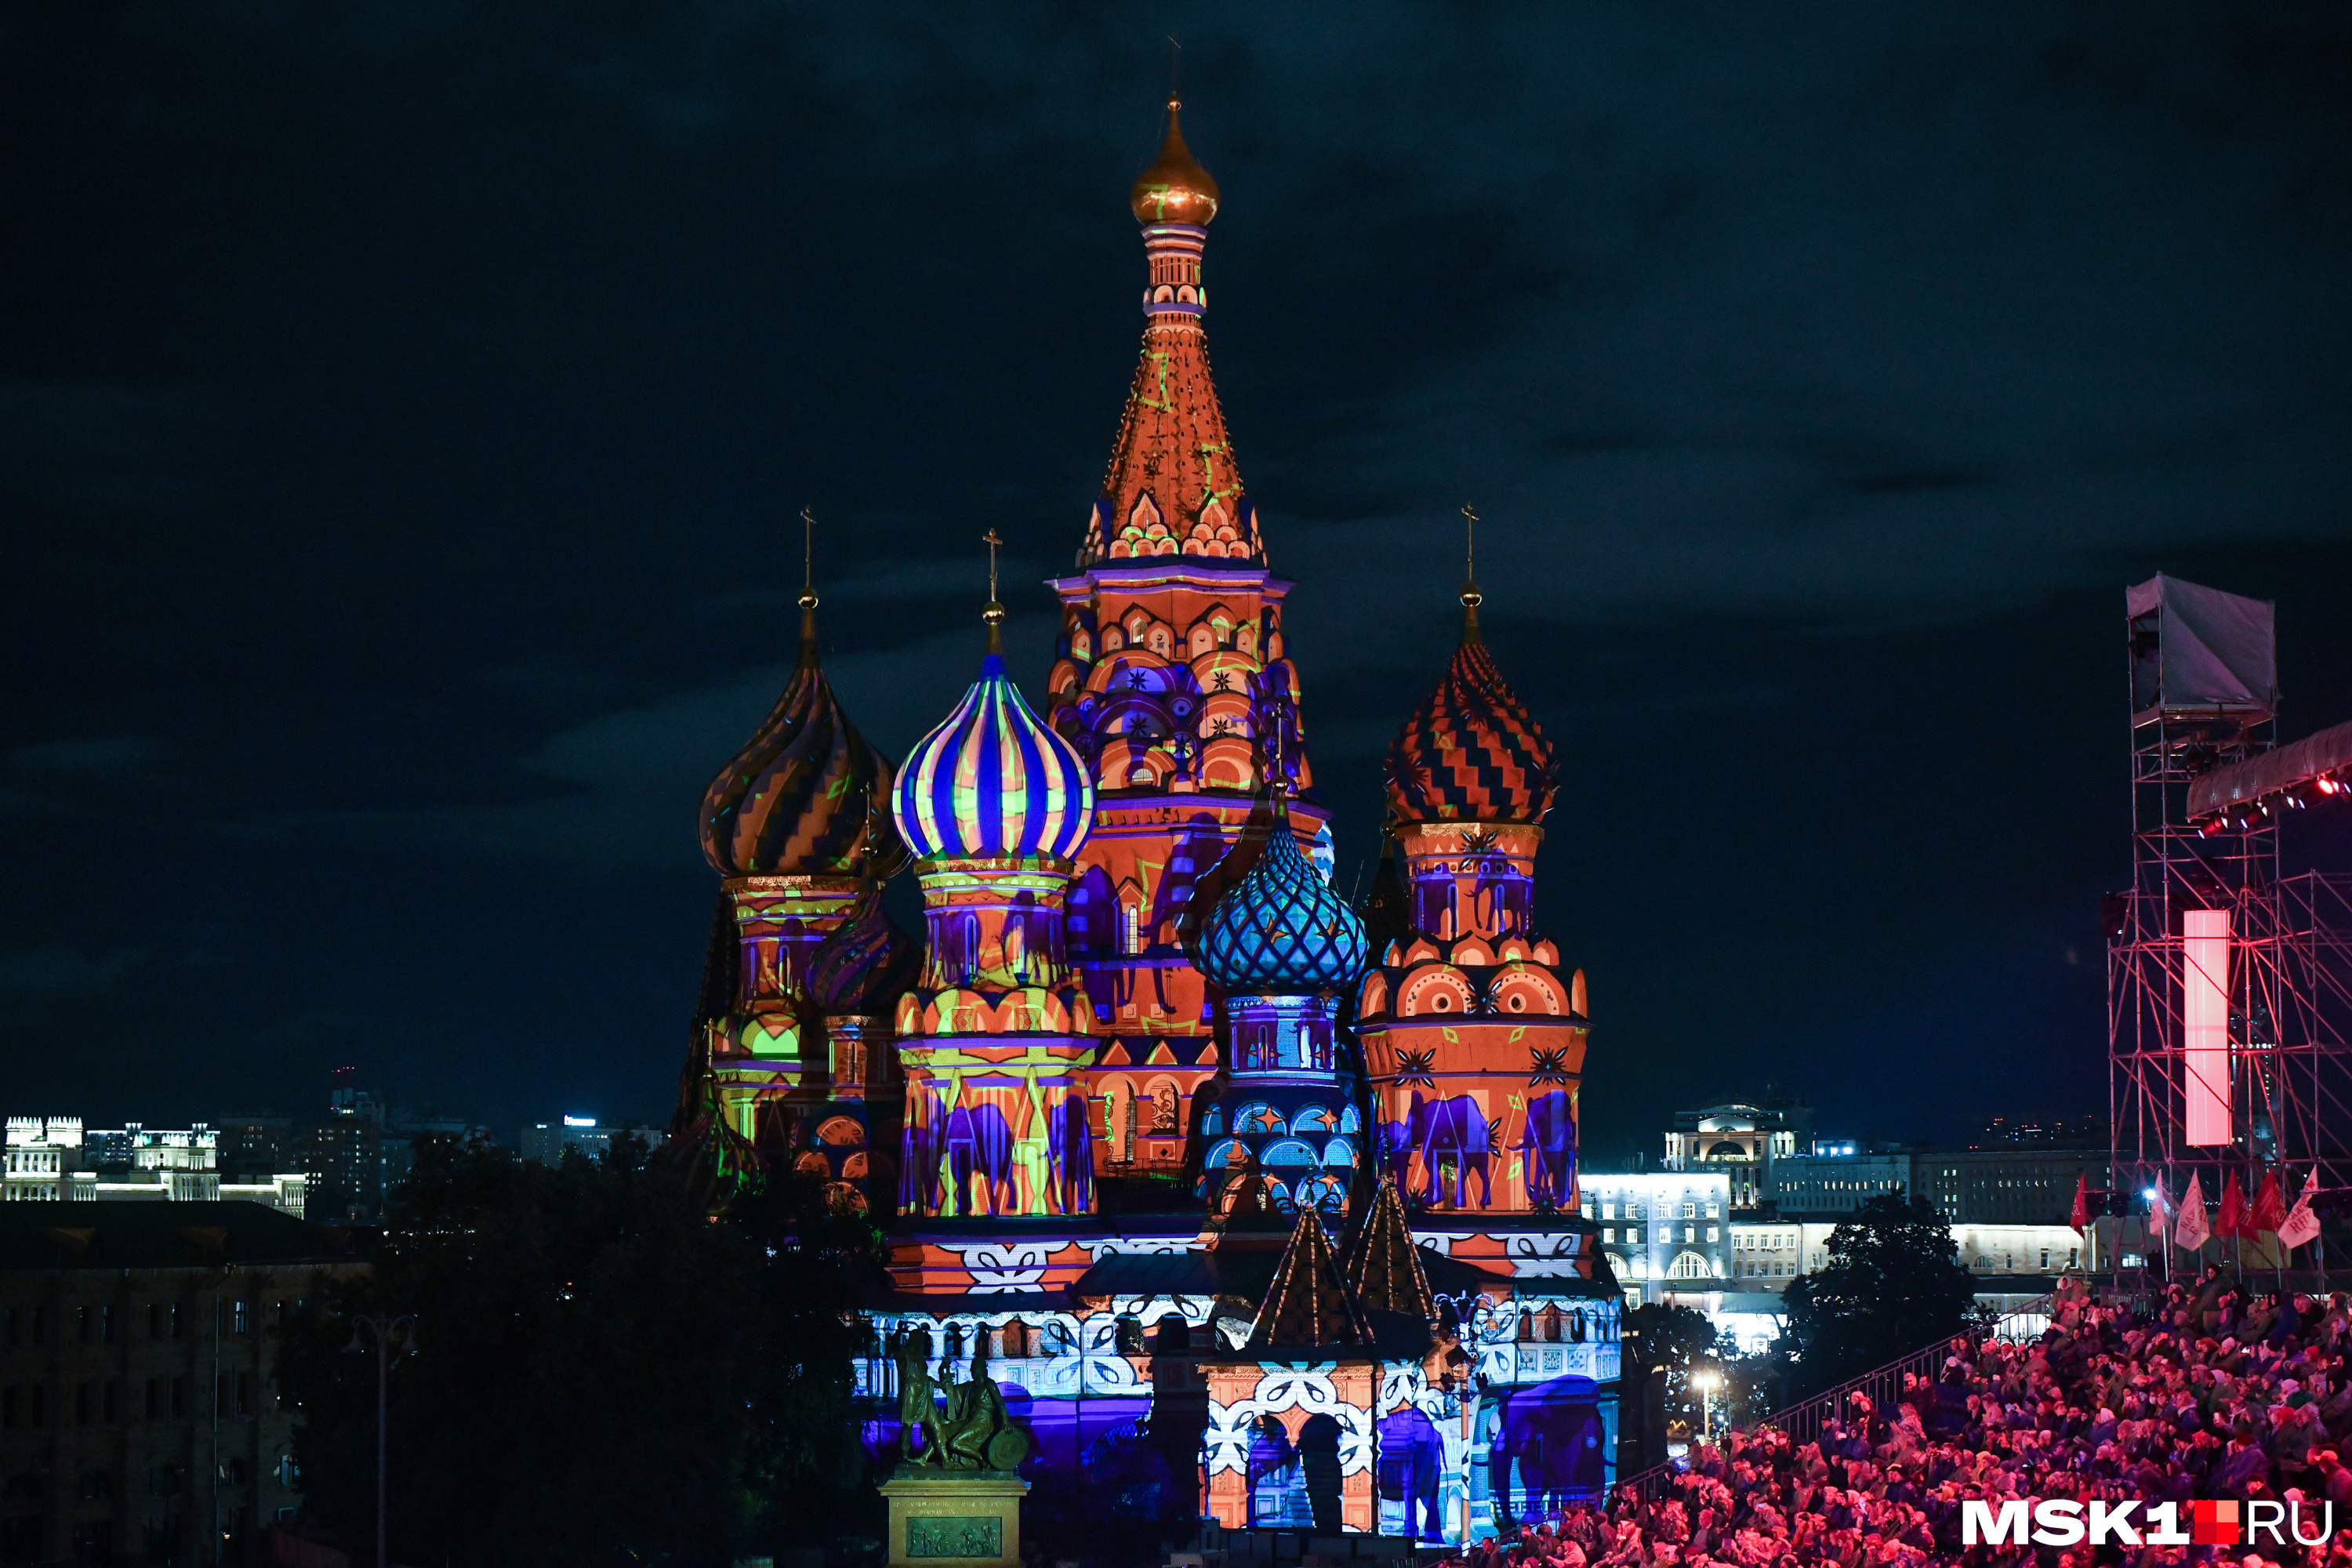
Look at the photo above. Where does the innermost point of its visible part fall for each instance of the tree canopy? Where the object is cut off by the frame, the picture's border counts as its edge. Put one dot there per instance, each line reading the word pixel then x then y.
pixel 1679 1339
pixel 1892 1284
pixel 603 1374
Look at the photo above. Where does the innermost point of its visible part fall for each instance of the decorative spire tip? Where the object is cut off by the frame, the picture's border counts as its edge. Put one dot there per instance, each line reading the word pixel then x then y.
pixel 992 613
pixel 808 586
pixel 1471 597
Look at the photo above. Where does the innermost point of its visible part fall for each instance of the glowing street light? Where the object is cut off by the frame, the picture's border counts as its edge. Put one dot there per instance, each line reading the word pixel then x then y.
pixel 1706 1381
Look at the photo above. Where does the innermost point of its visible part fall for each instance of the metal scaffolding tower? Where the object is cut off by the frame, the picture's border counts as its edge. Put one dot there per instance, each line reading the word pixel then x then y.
pixel 2228 988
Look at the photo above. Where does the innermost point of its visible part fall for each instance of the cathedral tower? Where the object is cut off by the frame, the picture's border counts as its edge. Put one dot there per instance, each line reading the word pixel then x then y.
pixel 1171 679
pixel 995 1035
pixel 1281 947
pixel 798 825
pixel 1473 1040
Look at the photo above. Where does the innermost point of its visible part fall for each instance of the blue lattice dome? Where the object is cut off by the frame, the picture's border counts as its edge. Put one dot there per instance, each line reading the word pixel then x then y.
pixel 1280 929
pixel 993 780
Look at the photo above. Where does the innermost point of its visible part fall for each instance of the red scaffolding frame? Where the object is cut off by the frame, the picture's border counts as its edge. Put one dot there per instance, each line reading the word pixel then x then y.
pixel 2290 973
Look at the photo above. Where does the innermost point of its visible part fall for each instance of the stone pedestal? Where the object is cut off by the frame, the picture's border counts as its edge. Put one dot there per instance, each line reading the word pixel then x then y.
pixel 952 1519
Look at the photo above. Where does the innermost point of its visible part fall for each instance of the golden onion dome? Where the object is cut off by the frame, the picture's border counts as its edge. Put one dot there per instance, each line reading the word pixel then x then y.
pixel 1175 189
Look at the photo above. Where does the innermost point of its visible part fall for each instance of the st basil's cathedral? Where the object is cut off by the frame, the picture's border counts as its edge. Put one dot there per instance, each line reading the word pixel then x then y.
pixel 1221 1172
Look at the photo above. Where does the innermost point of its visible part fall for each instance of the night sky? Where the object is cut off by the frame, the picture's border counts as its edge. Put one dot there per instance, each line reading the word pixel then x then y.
pixel 404 409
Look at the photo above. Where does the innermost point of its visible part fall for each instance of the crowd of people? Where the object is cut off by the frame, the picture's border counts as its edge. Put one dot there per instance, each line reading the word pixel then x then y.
pixel 2211 1391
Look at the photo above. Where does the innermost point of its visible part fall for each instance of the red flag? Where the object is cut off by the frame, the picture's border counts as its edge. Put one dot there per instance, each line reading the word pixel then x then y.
pixel 2269 1211
pixel 2080 1217
pixel 2231 1220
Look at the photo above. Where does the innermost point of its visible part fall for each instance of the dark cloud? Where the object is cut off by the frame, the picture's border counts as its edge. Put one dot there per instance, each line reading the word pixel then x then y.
pixel 72 759
pixel 412 406
pixel 55 969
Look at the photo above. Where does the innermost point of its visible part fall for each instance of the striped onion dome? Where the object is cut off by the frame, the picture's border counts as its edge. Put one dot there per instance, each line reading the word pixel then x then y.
pixel 1473 752
pixel 1280 929
pixel 993 780
pixel 804 796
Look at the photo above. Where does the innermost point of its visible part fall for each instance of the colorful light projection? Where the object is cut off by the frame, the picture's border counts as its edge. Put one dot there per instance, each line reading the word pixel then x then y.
pixel 1175 715
pixel 1174 679
pixel 991 780
pixel 1529 1428
pixel 2205 1024
pixel 995 1126
pixel 994 1034
pixel 1281 945
pixel 1172 488
pixel 1067 868
pixel 1473 1039
pixel 765 1033
pixel 796 824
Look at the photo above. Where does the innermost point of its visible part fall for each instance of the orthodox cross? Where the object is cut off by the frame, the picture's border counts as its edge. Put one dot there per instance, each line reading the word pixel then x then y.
pixel 1471 597
pixel 808 560
pixel 993 614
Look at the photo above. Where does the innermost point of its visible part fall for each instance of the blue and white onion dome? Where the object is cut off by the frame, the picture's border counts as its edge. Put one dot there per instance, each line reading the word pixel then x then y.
pixel 1280 931
pixel 993 780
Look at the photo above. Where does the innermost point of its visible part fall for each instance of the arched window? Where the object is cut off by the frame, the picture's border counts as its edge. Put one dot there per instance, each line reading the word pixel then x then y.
pixel 1228 1155
pixel 1326 1193
pixel 1257 1116
pixel 1689 1266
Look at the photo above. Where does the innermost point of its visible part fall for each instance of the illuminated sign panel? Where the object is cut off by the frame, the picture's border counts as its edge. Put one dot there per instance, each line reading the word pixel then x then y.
pixel 2205 1024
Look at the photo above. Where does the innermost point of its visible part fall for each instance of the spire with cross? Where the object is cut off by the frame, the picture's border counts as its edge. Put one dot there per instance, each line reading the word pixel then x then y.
pixel 808 585
pixel 994 611
pixel 1471 597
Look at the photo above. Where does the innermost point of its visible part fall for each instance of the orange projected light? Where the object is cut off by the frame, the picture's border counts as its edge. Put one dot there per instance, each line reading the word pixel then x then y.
pixel 2205 1023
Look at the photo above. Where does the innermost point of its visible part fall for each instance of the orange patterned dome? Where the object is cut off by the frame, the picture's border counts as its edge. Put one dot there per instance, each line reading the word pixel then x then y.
pixel 1175 189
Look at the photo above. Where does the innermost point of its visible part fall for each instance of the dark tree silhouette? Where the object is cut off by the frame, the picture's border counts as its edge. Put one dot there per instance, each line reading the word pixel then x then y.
pixel 1893 1284
pixel 605 1374
pixel 1679 1339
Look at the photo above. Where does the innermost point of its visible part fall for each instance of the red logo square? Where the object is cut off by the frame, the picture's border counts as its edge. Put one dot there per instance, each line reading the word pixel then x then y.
pixel 2213 1523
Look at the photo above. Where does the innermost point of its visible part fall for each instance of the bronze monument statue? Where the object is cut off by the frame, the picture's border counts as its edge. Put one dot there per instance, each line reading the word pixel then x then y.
pixel 976 1433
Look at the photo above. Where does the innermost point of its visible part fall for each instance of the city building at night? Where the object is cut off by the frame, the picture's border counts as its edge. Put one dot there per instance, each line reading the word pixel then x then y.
pixel 1667 1234
pixel 1217 1168
pixel 55 1159
pixel 545 1141
pixel 140 1409
pixel 1742 1140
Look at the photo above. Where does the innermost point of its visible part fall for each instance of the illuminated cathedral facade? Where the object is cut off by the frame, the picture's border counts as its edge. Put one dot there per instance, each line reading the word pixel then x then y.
pixel 1227 1172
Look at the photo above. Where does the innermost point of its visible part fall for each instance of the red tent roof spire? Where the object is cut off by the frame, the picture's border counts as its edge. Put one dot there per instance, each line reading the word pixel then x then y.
pixel 1172 488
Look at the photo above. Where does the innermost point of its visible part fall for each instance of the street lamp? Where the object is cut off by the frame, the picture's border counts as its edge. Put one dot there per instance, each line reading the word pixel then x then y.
pixel 393 1335
pixel 1705 1381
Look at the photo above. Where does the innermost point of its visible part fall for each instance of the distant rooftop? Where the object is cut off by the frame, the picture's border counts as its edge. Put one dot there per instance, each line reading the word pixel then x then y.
pixel 160 1236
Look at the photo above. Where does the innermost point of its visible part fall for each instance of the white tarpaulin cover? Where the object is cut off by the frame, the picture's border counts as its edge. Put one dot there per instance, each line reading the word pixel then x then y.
pixel 2328 751
pixel 2211 650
